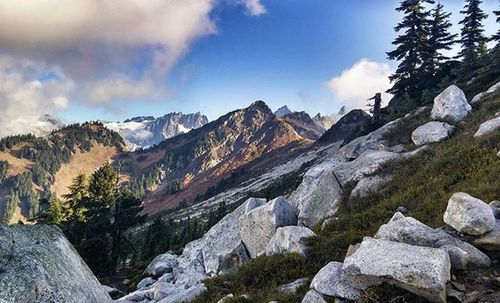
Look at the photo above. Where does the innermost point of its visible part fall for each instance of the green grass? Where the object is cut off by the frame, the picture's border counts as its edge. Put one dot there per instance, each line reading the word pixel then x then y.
pixel 260 279
pixel 422 184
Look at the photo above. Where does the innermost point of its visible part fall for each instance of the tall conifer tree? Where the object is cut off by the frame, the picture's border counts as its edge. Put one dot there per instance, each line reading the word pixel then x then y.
pixel 472 38
pixel 411 48
pixel 496 37
pixel 440 39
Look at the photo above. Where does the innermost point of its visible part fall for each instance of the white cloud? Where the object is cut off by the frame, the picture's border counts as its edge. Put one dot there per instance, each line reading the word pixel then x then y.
pixel 254 7
pixel 104 37
pixel 361 81
pixel 119 86
pixel 24 98
pixel 60 102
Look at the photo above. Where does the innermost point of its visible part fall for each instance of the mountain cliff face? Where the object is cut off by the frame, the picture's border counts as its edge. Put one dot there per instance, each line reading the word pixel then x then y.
pixel 304 125
pixel 195 161
pixel 143 132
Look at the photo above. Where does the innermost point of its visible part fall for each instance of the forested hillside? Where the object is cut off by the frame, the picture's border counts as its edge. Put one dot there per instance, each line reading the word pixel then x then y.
pixel 29 164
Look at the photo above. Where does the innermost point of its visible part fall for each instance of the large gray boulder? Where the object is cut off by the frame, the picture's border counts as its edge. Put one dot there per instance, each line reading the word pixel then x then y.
pixel 469 215
pixel 451 104
pixel 369 185
pixel 488 127
pixel 190 270
pixel 162 264
pixel 223 249
pixel 318 196
pixel 38 264
pixel 423 271
pixel 366 164
pixel 289 239
pixel 411 231
pixel 330 281
pixel 313 296
pixel 431 132
pixel 259 225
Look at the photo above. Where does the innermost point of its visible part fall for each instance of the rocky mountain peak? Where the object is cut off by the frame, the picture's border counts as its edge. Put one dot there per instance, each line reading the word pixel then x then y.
pixel 282 111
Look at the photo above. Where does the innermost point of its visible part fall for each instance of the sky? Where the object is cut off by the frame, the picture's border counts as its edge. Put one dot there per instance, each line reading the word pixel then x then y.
pixel 111 60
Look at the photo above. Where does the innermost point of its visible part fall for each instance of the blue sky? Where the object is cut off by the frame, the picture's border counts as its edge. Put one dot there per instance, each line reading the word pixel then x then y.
pixel 211 56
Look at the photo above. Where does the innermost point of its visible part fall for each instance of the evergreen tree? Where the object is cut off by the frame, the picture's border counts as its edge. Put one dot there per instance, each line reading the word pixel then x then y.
pixel 103 187
pixel 7 209
pixel 126 215
pixel 75 199
pixel 411 48
pixel 54 214
pixel 440 39
pixel 4 167
pixel 472 38
pixel 496 37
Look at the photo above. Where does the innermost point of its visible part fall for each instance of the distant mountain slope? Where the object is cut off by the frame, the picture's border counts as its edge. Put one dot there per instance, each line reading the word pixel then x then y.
pixel 143 132
pixel 354 124
pixel 304 125
pixel 283 111
pixel 37 166
pixel 327 122
pixel 192 163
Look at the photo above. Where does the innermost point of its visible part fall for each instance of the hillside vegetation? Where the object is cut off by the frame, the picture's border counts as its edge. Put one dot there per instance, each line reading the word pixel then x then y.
pixel 422 184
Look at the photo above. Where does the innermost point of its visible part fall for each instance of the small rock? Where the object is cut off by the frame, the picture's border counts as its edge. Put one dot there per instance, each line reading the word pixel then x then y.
pixel 186 295
pixel 469 215
pixel 226 298
pixel 313 296
pixel 162 290
pixel 145 282
pixel 369 185
pixel 478 98
pixel 403 210
pixel 421 270
pixel 489 241
pixel 160 265
pixel 459 258
pixel 494 88
pixel 291 288
pixel 488 127
pixel 330 281
pixel 289 239
pixel 431 132
pixel 260 224
pixel 495 207
pixel 451 104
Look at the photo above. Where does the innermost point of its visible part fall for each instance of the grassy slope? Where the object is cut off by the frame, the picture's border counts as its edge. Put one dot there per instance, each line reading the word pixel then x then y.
pixel 81 162
pixel 422 184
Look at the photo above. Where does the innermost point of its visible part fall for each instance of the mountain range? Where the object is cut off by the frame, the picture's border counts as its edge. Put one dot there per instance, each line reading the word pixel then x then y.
pixel 172 161
pixel 143 132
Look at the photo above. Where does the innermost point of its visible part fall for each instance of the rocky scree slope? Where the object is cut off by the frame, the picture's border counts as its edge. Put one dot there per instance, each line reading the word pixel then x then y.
pixel 404 253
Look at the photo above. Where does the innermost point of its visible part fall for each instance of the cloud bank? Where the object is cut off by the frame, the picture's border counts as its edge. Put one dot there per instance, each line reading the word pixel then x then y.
pixel 361 81
pixel 108 50
pixel 24 97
